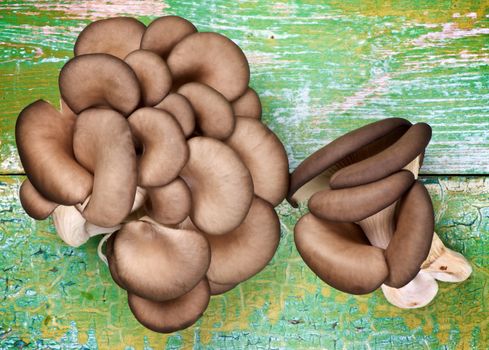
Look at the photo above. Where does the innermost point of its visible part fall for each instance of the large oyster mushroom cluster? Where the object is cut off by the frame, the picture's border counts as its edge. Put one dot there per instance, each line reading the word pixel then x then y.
pixel 371 223
pixel 159 145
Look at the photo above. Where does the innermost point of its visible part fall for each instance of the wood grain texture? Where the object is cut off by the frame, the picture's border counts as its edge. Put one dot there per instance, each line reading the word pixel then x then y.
pixel 54 295
pixel 321 67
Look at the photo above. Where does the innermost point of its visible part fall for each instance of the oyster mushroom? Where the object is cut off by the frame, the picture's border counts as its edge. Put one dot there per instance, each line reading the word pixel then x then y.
pixel 169 204
pixel 158 250
pixel 44 142
pixel 213 113
pixel 164 33
pixel 165 150
pixel 181 109
pixel 88 81
pixel 153 75
pixel 103 144
pixel 363 200
pixel 248 105
pixel 213 60
pixel 34 204
pixel 116 36
pixel 245 251
pixel 220 184
pixel 171 315
pixel 265 157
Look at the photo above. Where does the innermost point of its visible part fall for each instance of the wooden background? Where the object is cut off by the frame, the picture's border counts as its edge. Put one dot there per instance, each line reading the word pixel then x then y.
pixel 321 68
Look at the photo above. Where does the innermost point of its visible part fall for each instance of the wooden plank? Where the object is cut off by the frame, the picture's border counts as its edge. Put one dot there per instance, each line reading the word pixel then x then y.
pixel 54 295
pixel 321 68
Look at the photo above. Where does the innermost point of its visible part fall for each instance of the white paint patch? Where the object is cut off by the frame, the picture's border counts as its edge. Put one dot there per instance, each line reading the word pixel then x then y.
pixel 12 161
pixel 450 31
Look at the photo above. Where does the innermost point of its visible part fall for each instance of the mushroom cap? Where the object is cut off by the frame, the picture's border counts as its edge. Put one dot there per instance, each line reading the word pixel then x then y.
pixel 357 203
pixel 171 315
pixel 181 109
pixel 116 36
pixel 264 156
pixel 412 239
pixel 157 262
pixel 402 152
pixel 44 140
pixel 211 59
pixel 164 33
pixel 248 105
pixel 220 184
pixel 98 80
pixel 217 289
pixel 153 75
pixel 245 251
pixel 213 113
pixel 332 153
pixel 165 148
pixel 34 204
pixel 102 143
pixel 340 254
pixel 169 204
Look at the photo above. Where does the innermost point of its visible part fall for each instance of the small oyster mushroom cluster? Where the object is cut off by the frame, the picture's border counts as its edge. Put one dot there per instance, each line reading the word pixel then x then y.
pixel 159 145
pixel 371 223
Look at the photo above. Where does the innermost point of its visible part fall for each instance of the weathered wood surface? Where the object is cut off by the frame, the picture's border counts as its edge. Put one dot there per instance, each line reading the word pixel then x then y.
pixel 321 67
pixel 54 295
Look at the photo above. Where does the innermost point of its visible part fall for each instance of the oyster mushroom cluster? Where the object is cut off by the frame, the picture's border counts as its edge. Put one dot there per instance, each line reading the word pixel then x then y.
pixel 371 223
pixel 159 145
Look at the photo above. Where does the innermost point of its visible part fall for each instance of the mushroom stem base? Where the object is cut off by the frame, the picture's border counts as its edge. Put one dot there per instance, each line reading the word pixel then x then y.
pixel 417 293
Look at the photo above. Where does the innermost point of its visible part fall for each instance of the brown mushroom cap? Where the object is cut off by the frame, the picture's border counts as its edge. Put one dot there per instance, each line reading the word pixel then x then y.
pixel 412 239
pixel 217 289
pixel 158 262
pixel 386 162
pixel 165 148
pixel 245 251
pixel 164 33
pixel 213 113
pixel 102 142
pixel 44 139
pixel 221 186
pixel 265 157
pixel 248 105
pixel 98 80
pixel 169 204
pixel 340 254
pixel 171 315
pixel 116 36
pixel 34 204
pixel 324 158
pixel 153 75
pixel 211 59
pixel 357 203
pixel 181 109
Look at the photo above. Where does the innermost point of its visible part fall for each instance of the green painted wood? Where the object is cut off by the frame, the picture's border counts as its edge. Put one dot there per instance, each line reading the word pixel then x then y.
pixel 321 67
pixel 53 296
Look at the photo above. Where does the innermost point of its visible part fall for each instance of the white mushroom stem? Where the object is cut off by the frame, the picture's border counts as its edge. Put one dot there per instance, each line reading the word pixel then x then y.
pixel 444 264
pixel 100 252
pixel 417 293
pixel 72 227
pixel 379 227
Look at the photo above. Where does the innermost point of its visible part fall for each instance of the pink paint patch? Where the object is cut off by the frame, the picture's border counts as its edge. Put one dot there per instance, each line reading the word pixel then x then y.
pixel 93 9
pixel 38 52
